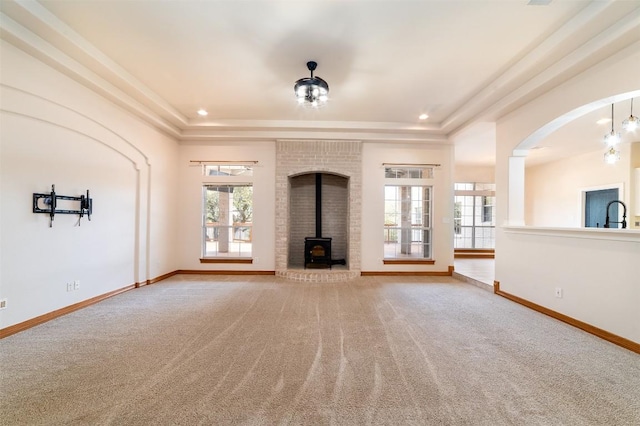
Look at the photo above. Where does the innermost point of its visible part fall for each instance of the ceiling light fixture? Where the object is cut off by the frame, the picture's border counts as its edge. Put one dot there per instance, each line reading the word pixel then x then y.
pixel 312 91
pixel 632 123
pixel 423 116
pixel 202 112
pixel 612 156
pixel 612 138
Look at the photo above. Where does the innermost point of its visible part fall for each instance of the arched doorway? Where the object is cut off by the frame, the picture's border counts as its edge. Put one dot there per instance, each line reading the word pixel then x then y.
pixel 318 207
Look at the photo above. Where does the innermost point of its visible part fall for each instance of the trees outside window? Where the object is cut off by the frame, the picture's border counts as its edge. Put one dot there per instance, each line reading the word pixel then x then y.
pixel 407 221
pixel 228 215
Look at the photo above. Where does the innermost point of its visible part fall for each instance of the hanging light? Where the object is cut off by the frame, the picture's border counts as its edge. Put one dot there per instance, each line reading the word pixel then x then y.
pixel 632 123
pixel 312 91
pixel 612 156
pixel 612 138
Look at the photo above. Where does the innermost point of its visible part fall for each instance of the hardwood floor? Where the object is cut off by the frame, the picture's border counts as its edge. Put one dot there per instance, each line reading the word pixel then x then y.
pixel 482 270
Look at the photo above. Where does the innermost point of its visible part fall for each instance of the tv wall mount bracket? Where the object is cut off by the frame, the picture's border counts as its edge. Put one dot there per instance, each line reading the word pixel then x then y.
pixel 48 203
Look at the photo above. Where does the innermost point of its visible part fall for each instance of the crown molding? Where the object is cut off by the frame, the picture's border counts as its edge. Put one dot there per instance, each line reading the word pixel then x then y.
pixel 45 25
pixel 14 33
pixel 521 82
pixel 566 52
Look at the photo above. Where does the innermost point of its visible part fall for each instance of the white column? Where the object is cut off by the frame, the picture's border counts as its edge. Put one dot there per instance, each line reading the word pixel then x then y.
pixel 516 191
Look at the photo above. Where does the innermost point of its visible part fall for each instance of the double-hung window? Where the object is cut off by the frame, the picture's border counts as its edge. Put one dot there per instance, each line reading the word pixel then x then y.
pixel 474 215
pixel 408 206
pixel 227 211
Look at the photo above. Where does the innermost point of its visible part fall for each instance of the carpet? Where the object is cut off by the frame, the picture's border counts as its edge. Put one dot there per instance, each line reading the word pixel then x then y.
pixel 259 350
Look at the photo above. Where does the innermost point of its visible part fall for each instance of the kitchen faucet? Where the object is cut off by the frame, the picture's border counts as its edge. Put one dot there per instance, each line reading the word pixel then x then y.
pixel 624 215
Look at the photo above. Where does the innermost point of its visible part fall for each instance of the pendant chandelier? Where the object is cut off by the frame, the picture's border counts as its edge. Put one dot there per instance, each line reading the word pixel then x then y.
pixel 632 122
pixel 311 91
pixel 612 156
pixel 611 139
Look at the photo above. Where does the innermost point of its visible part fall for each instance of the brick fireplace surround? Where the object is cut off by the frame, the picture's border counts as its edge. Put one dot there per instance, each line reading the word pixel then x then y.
pixel 343 158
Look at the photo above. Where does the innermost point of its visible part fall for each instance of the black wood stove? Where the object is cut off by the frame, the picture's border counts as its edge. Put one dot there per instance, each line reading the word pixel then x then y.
pixel 317 252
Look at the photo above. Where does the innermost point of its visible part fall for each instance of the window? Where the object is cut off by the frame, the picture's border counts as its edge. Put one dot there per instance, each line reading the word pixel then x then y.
pixel 407 221
pixel 419 172
pixel 487 209
pixel 228 214
pixel 227 170
pixel 407 212
pixel 227 211
pixel 474 215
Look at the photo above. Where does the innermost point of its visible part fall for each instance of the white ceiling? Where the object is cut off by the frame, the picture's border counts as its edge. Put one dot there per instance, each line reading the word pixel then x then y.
pixel 586 134
pixel 464 63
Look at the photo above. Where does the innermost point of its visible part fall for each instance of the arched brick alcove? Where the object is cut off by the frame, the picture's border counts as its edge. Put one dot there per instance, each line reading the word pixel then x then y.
pixel 333 158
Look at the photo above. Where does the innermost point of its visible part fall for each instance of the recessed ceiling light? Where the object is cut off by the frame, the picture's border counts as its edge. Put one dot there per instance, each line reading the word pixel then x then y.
pixel 603 121
pixel 202 112
pixel 423 116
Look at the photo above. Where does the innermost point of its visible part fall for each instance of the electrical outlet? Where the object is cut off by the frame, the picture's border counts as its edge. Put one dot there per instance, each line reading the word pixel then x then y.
pixel 558 292
pixel 69 287
pixel 3 303
pixel 76 285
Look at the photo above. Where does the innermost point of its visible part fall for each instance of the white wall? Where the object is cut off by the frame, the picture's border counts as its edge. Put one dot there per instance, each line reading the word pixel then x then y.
pixel 189 201
pixel 55 131
pixel 468 173
pixel 374 154
pixel 554 190
pixel 634 189
pixel 599 276
pixel 373 181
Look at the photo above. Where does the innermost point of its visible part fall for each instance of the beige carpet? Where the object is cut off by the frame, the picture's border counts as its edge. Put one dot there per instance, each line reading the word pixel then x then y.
pixel 259 350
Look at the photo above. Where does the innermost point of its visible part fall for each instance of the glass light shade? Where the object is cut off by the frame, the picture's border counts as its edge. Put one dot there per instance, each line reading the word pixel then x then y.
pixel 611 139
pixel 612 156
pixel 311 91
pixel 631 123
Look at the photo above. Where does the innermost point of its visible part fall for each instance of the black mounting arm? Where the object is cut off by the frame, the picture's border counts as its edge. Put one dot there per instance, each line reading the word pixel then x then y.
pixel 48 203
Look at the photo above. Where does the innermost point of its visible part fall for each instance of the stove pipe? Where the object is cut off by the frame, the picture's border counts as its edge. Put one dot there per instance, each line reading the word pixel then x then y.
pixel 318 205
